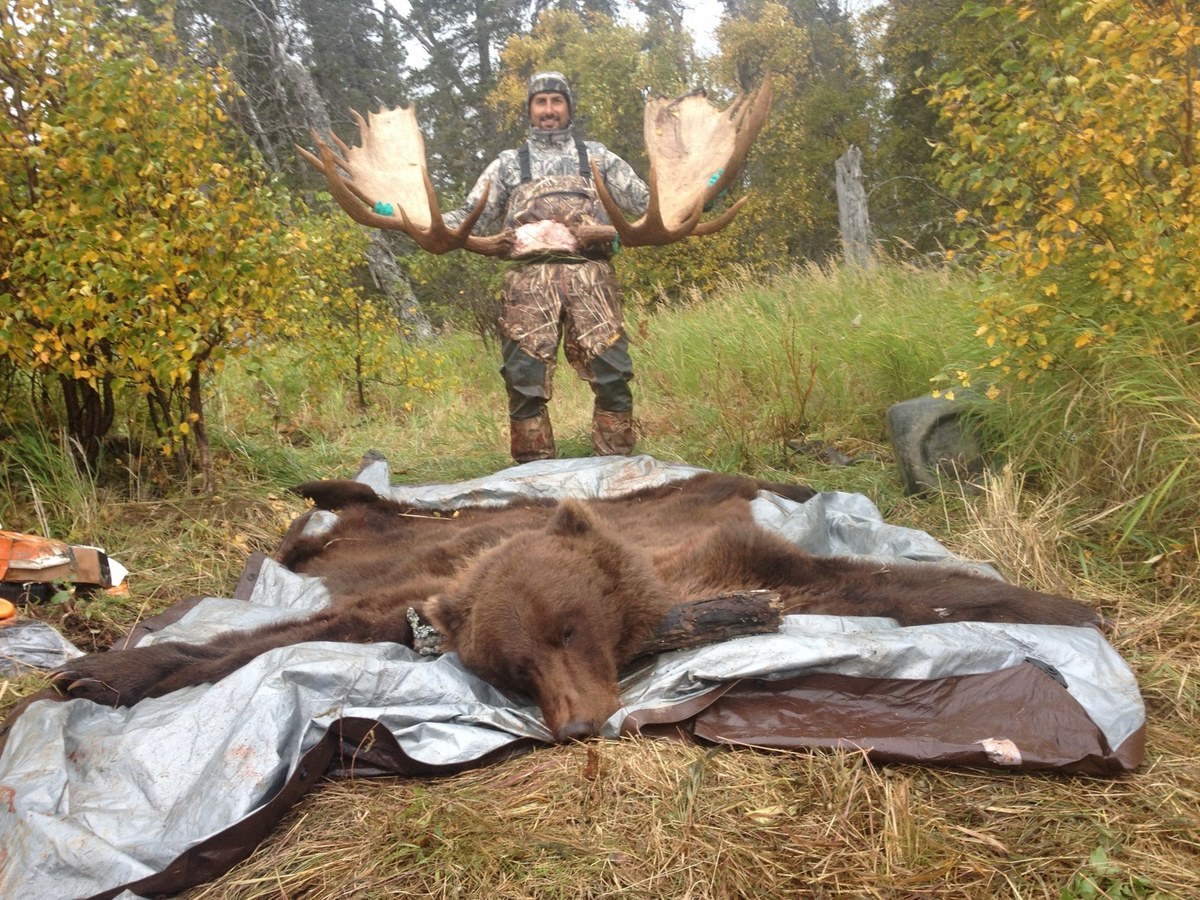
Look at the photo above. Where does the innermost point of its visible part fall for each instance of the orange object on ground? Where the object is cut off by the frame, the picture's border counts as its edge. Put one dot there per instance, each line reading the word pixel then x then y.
pixel 30 557
pixel 7 610
pixel 29 553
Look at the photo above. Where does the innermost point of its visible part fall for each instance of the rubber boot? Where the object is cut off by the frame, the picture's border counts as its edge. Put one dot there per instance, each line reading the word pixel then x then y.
pixel 612 433
pixel 532 438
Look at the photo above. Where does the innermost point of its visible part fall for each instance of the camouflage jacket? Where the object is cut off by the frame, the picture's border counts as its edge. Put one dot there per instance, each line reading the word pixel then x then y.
pixel 551 153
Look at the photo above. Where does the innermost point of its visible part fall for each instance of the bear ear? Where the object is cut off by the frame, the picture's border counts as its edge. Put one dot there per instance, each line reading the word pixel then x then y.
pixel 571 518
pixel 448 614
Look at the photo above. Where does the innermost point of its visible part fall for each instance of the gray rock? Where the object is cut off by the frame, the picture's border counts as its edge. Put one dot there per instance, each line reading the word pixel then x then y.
pixel 935 442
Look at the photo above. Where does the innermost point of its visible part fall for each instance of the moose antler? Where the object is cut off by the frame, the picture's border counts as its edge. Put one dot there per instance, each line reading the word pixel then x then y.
pixel 695 151
pixel 389 168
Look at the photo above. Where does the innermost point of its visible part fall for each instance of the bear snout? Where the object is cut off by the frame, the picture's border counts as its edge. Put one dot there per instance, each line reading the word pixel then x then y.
pixel 576 731
pixel 576 693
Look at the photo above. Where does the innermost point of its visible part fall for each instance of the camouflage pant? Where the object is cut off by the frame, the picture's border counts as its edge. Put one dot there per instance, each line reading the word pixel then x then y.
pixel 579 304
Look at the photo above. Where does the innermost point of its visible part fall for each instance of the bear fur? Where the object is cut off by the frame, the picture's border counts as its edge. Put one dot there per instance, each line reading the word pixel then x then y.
pixel 552 600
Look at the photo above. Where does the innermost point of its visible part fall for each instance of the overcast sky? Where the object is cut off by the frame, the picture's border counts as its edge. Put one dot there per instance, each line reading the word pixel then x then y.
pixel 702 17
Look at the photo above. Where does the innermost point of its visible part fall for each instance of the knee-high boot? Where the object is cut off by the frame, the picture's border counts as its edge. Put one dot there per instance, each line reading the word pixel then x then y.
pixel 532 438
pixel 612 433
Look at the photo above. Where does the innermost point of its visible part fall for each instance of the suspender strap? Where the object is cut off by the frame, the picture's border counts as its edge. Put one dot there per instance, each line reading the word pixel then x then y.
pixel 584 169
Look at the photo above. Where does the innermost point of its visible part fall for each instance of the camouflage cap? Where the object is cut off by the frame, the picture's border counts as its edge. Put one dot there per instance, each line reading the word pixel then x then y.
pixel 551 82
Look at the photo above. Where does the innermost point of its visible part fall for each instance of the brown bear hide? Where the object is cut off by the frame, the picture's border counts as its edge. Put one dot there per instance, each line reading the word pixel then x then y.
pixel 550 600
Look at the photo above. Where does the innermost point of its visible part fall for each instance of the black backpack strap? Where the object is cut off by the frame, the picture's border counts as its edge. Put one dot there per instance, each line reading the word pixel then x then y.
pixel 523 156
pixel 584 169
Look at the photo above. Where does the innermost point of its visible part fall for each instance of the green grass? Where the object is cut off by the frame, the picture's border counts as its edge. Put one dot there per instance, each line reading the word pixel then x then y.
pixel 43 488
pixel 1122 440
pixel 818 354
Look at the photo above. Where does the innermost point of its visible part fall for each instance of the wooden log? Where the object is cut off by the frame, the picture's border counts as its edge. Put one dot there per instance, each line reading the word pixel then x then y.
pixel 686 625
pixel 714 619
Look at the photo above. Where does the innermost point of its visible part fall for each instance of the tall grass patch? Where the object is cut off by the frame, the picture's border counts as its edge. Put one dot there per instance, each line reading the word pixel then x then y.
pixel 43 486
pixel 812 354
pixel 1122 438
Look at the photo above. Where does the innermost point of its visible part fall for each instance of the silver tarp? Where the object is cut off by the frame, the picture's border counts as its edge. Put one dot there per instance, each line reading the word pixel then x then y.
pixel 93 798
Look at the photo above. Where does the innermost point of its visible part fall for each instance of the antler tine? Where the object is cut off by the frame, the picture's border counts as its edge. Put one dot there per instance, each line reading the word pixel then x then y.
pixel 313 161
pixel 712 226
pixel 460 236
pixel 650 230
pixel 623 227
pixel 383 168
pixel 341 145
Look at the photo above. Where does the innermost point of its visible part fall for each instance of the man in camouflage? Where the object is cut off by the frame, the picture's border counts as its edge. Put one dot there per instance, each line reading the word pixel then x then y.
pixel 559 291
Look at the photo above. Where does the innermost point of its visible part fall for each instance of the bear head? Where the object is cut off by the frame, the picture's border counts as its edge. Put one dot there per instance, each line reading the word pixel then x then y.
pixel 554 614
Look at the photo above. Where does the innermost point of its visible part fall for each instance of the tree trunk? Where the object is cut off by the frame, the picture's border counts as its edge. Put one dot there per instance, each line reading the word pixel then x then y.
pixel 254 126
pixel 389 279
pixel 89 414
pixel 200 429
pixel 853 218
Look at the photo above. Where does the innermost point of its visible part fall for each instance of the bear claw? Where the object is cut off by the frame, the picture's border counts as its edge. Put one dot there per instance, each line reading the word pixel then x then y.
pixel 77 685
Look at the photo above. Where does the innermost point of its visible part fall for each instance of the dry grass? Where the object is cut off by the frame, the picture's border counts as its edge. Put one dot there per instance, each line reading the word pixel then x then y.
pixel 646 818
